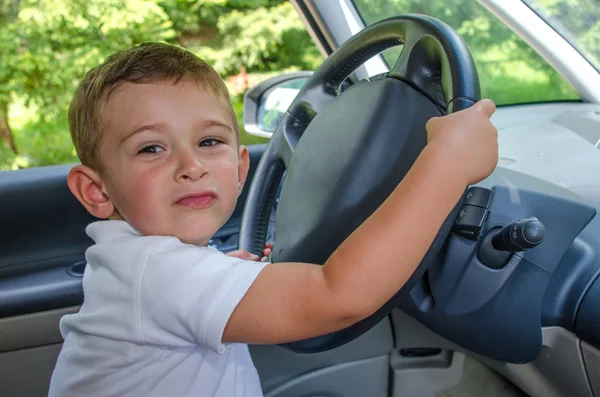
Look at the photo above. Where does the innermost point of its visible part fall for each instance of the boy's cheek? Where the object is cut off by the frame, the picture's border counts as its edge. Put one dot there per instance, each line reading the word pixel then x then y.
pixel 135 193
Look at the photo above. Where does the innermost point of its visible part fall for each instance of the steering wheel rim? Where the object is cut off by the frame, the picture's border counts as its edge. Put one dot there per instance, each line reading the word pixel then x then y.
pixel 434 62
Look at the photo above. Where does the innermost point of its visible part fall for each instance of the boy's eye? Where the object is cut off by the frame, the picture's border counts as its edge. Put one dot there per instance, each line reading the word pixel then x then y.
pixel 151 149
pixel 209 142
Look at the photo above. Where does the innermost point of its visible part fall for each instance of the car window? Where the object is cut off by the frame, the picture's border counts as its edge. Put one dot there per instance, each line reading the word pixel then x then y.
pixel 577 21
pixel 510 71
pixel 48 45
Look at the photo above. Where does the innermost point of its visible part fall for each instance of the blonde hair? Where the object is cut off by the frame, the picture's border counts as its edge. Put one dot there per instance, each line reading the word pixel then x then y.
pixel 144 64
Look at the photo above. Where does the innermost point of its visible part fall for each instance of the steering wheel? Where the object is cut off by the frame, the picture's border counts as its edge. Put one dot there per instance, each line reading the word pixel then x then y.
pixel 345 152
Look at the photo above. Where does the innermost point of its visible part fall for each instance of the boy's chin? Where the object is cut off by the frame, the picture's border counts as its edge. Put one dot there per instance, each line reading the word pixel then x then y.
pixel 200 239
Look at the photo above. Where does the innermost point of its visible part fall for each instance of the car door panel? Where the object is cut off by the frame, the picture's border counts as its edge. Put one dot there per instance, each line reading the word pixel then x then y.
pixel 27 372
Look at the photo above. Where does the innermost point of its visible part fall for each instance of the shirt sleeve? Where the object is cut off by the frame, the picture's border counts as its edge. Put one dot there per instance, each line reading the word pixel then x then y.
pixel 186 294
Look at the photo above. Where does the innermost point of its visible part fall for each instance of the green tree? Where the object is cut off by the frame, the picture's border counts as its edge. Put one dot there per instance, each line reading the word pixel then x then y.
pixel 261 37
pixel 47 46
pixel 583 19
pixel 258 35
pixel 509 70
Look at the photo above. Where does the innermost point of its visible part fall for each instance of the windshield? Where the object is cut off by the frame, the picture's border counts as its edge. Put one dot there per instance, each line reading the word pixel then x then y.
pixel 578 21
pixel 510 71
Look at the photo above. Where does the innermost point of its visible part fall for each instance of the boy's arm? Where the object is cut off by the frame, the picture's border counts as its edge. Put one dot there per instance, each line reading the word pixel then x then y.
pixel 294 301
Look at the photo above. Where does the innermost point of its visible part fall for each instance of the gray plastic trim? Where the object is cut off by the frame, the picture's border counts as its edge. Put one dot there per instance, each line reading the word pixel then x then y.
pixel 354 379
pixel 558 372
pixel 477 379
pixel 26 373
pixel 591 357
pixel 425 376
pixel 31 330
pixel 410 333
pixel 277 366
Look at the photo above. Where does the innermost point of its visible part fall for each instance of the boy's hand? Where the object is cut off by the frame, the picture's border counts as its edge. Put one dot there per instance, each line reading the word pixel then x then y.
pixel 468 138
pixel 243 254
pixel 266 252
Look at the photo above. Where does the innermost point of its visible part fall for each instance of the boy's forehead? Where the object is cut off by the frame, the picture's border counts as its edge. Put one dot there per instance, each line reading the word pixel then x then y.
pixel 128 87
pixel 144 97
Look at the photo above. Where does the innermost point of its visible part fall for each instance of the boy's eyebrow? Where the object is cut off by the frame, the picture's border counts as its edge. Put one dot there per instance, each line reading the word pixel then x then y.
pixel 156 127
pixel 212 123
pixel 161 127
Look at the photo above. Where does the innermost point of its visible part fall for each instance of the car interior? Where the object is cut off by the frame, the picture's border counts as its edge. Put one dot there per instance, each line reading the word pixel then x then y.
pixel 506 302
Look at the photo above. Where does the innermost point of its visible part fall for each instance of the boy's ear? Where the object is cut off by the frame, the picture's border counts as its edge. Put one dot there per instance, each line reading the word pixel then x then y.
pixel 87 186
pixel 243 166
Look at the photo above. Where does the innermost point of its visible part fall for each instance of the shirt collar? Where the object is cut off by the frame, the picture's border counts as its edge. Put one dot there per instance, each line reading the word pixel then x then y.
pixel 103 231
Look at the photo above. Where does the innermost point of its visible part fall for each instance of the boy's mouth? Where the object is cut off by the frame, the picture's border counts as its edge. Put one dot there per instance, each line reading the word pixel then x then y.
pixel 197 199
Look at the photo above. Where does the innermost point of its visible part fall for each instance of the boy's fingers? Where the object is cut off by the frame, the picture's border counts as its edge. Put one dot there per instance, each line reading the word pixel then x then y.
pixel 432 122
pixel 266 252
pixel 486 106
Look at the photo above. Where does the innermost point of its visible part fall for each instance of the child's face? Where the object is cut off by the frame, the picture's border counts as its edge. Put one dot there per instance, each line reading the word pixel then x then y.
pixel 171 161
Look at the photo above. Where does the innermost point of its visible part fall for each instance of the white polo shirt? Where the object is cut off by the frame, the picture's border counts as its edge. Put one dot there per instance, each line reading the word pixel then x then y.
pixel 152 319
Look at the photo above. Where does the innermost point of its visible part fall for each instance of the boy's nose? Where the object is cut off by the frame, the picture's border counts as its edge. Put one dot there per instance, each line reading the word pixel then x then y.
pixel 190 166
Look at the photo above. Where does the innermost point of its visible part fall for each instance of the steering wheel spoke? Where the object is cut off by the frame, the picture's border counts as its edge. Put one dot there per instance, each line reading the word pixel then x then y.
pixel 419 65
pixel 284 140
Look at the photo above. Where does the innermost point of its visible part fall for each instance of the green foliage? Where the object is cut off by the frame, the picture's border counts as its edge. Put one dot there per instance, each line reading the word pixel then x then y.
pixel 46 142
pixel 52 43
pixel 257 35
pixel 509 70
pixel 583 22
pixel 47 46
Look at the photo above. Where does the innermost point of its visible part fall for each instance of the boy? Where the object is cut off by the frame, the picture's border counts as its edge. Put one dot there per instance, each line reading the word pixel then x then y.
pixel 165 315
